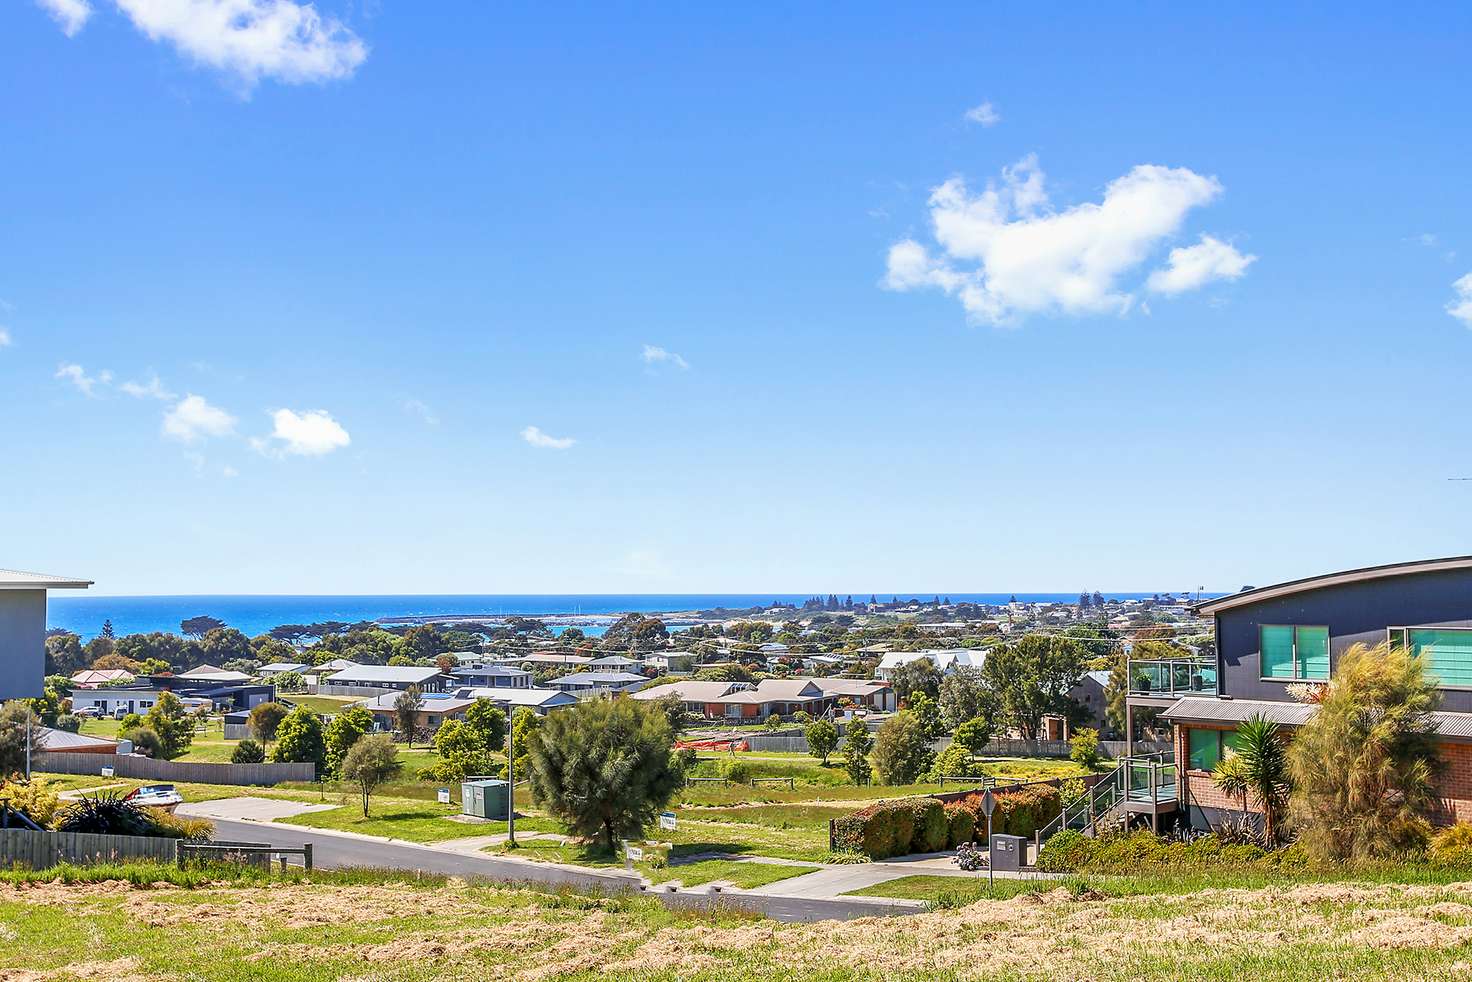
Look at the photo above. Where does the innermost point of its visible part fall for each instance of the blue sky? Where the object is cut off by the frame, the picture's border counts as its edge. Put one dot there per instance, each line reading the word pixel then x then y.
pixel 385 260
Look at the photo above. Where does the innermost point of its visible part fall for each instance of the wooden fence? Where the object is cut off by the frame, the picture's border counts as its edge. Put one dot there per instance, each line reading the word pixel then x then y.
pixel 42 850
pixel 195 772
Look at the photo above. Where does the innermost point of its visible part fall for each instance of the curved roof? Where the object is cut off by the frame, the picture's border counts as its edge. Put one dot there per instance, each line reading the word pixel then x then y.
pixel 1365 574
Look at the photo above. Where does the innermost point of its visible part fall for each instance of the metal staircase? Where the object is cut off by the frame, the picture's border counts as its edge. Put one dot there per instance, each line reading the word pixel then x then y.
pixel 1144 784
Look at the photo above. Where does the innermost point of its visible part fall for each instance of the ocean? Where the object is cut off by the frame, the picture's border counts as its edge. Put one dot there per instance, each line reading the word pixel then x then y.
pixel 256 614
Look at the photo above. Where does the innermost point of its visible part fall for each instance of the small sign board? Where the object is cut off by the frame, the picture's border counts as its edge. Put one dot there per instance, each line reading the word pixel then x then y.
pixel 443 794
pixel 988 803
pixel 634 852
pixel 107 772
pixel 667 821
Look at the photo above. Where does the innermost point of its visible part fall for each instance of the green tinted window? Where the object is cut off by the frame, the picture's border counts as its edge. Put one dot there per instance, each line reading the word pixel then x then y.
pixel 1448 654
pixel 1313 652
pixel 1206 748
pixel 1277 651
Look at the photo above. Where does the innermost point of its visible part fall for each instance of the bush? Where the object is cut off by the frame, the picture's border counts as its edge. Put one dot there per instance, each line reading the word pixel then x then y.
pixel 736 771
pixel 37 799
pixel 145 741
pixel 954 761
pixel 69 723
pixel 903 818
pixel 932 826
pixel 961 824
pixel 1084 748
pixel 248 751
pixel 1066 851
pixel 1452 847
pixel 1024 811
pixel 107 813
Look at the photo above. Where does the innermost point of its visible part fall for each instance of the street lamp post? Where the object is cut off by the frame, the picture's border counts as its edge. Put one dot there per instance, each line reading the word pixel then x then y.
pixel 511 779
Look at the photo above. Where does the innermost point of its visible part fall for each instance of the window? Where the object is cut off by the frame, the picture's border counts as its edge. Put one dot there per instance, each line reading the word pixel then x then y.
pixel 1209 746
pixel 1294 652
pixel 1448 653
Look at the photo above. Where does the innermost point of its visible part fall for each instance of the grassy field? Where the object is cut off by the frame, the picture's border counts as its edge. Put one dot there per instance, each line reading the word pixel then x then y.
pixel 329 928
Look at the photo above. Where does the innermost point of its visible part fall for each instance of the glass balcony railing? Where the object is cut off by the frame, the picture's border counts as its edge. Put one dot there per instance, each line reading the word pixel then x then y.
pixel 1172 677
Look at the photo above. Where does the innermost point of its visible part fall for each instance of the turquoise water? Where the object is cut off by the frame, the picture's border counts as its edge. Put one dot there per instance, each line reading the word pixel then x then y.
pixel 256 614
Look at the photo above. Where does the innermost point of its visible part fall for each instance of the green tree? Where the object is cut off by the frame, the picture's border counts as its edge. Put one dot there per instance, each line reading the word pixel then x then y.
pixel 16 718
pixel 489 720
pixel 346 728
pixel 1265 768
pixel 173 724
pixel 222 644
pixel 198 627
pixel 265 719
pixel 424 643
pixel 974 735
pixel 674 711
pixel 1032 677
pixel 407 708
pixel 901 749
pixel 462 751
pixel 604 767
pixel 1083 748
pixel 919 675
pixel 964 696
pixel 248 751
pixel 371 762
pixel 1230 778
pixel 64 655
pixel 524 726
pixel 928 714
pixel 858 742
pixel 1364 767
pixel 299 739
pixel 822 737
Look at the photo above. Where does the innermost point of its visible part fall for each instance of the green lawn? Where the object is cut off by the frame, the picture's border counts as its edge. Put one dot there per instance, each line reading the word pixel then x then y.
pixel 743 875
pixel 951 890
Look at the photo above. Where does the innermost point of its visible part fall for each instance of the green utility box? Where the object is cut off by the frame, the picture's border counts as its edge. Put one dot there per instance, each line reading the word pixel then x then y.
pixel 484 798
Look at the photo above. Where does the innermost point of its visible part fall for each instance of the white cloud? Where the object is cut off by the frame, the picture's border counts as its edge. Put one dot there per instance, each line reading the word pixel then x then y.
pixel 1461 307
pixel 193 418
pixel 228 471
pixel 310 433
pixel 416 408
pixel 1005 252
pixel 152 389
pixel 5 341
pixel 1192 267
pixel 249 39
pixel 654 355
pixel 77 376
pixel 535 436
pixel 983 115
pixel 70 15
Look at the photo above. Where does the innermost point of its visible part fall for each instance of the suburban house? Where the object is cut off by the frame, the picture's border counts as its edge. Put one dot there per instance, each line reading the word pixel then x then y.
pixel 56 741
pixel 595 683
pixel 282 668
pixel 779 697
pixel 614 663
pixel 116 701
pixel 399 677
pixel 437 707
pixel 23 629
pixel 220 689
pixel 1274 643
pixel 546 659
pixel 93 678
pixel 492 676
pixel 946 660
pixel 214 673
pixel 541 701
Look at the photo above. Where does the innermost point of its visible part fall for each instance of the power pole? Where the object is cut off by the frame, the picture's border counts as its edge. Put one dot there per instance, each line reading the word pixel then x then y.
pixel 511 778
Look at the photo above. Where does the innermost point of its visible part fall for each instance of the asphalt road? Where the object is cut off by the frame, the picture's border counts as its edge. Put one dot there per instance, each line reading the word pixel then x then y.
pixel 340 852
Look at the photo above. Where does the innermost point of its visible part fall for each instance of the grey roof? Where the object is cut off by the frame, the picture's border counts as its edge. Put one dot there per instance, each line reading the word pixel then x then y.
pixel 1199 709
pixel 434 703
pixel 525 697
pixel 1291 587
pixel 384 673
pixel 689 691
pixel 15 579
pixel 283 666
pixel 506 670
pixel 60 741
pixel 601 678
pixel 1196 709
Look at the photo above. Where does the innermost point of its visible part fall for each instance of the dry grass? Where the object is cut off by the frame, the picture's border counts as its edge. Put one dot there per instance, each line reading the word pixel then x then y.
pixel 313 931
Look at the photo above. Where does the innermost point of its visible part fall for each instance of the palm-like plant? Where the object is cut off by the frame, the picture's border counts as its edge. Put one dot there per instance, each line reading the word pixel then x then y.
pixel 1265 771
pixel 1230 778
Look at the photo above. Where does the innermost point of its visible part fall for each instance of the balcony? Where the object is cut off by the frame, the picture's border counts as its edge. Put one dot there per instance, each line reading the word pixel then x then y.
pixel 1172 677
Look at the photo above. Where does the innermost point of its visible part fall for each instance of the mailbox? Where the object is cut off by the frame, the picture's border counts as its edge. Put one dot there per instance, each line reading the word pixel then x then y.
pixel 1008 852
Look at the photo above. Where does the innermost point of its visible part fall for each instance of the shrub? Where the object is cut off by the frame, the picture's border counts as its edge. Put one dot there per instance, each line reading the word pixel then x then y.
pixel 1084 748
pixel 1024 811
pixel 107 813
pixel 1066 851
pixel 37 799
pixel 248 751
pixel 1071 792
pixel 145 741
pixel 954 761
pixel 69 723
pixel 901 749
pixel 960 824
pixel 736 771
pixel 1452 847
pixel 903 818
pixel 130 722
pixel 932 826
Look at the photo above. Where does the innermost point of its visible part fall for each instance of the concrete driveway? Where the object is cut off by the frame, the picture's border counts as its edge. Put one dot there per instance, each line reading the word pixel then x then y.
pixel 249 809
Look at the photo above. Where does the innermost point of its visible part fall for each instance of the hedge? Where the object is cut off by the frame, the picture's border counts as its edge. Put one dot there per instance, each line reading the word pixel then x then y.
pixel 899 828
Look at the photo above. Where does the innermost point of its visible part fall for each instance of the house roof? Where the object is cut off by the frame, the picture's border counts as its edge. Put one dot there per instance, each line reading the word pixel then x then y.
pixel 601 678
pixel 15 579
pixel 787 690
pixel 508 671
pixel 549 658
pixel 614 661
pixel 849 687
pixel 102 676
pixel 536 698
pixel 283 666
pixel 384 673
pixel 689 691
pixel 1204 709
pixel 212 673
pixel 60 741
pixel 1362 575
pixel 435 703
pixel 336 665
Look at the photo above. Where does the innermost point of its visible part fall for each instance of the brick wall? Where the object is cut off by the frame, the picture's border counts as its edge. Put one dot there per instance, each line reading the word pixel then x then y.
pixel 1197 787
pixel 1454 786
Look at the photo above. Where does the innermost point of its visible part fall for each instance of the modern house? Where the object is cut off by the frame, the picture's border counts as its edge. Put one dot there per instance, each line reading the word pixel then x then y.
pixel 23 629
pixel 1273 643
pixel 213 673
pixel 437 707
pixel 220 689
pixel 540 701
pixel 398 677
pixel 108 701
pixel 741 701
pixel 492 676
pixel 597 683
